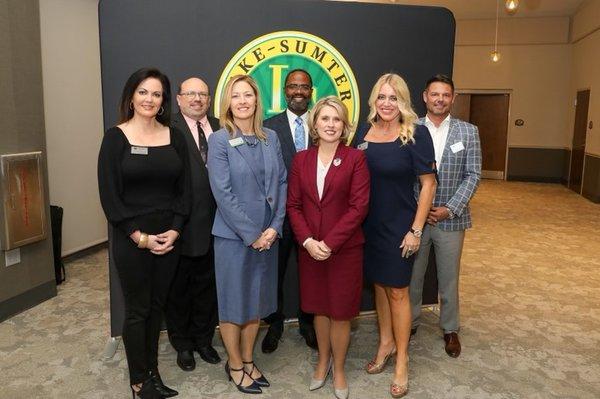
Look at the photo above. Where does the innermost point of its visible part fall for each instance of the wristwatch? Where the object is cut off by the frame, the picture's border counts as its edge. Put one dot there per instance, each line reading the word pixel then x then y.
pixel 416 232
pixel 451 214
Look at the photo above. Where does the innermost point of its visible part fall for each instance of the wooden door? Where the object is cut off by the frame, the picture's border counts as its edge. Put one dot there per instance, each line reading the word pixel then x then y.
pixel 579 135
pixel 489 112
pixel 461 109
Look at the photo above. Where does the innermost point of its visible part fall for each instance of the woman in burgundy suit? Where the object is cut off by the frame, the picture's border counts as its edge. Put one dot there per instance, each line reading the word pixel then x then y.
pixel 328 197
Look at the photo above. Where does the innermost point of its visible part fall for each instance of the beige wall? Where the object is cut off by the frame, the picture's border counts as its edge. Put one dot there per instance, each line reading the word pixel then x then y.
pixel 528 72
pixel 535 66
pixel 586 69
pixel 513 31
pixel 586 20
pixel 73 110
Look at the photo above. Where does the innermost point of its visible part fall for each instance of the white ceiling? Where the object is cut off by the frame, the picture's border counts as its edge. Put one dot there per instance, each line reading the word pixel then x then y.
pixel 480 9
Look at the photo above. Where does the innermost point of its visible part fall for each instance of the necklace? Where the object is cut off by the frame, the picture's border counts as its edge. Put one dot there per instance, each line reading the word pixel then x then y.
pixel 251 141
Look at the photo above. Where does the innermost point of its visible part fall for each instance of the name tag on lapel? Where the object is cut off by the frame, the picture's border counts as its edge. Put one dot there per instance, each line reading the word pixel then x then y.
pixel 139 150
pixel 363 146
pixel 456 147
pixel 237 141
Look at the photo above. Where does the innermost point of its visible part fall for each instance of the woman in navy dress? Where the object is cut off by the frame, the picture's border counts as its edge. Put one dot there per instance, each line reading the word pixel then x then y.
pixel 399 154
pixel 248 180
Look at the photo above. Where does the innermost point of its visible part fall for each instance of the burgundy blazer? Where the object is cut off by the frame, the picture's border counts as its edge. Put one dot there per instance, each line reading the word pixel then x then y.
pixel 337 217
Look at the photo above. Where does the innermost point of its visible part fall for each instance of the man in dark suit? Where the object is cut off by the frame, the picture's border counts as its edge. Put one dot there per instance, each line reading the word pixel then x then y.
pixel 292 130
pixel 191 312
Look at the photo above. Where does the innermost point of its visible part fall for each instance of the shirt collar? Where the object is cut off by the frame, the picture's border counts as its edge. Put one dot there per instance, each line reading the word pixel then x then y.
pixel 203 121
pixel 428 121
pixel 292 116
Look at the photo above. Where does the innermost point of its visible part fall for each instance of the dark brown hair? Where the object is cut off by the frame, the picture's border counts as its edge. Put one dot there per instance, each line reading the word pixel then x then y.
pixel 125 111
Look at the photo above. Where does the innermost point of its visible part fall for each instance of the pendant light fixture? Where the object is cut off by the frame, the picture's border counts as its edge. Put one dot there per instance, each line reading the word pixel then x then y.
pixel 511 6
pixel 495 55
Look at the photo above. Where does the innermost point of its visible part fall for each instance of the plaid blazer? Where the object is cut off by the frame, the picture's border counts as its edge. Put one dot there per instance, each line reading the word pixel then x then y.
pixel 458 174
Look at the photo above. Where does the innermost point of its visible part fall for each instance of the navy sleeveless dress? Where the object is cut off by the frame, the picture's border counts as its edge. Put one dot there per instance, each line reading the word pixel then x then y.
pixel 394 168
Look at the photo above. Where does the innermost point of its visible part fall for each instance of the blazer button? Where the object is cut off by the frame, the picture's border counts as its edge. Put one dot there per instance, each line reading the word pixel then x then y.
pixel 269 199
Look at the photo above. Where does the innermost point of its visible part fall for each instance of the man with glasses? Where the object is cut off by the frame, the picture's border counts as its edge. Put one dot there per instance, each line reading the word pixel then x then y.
pixel 292 130
pixel 191 312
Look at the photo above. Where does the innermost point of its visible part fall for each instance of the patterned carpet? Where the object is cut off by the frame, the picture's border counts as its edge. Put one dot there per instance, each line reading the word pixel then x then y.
pixel 530 310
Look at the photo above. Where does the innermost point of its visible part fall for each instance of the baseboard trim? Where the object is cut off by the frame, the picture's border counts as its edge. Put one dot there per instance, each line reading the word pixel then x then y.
pixel 27 300
pixel 85 251
pixel 537 179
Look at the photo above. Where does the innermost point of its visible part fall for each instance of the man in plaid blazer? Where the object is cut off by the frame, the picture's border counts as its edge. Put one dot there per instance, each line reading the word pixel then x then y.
pixel 458 159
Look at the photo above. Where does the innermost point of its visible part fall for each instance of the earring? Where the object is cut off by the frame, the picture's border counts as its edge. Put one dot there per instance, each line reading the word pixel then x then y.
pixel 161 111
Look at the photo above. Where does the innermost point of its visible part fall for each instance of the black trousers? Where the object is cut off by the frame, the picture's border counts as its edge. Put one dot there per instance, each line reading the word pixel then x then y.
pixel 191 312
pixel 287 246
pixel 145 280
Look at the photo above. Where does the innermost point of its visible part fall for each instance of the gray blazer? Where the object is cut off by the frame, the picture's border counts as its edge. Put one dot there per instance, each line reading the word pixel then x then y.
pixel 459 174
pixel 240 198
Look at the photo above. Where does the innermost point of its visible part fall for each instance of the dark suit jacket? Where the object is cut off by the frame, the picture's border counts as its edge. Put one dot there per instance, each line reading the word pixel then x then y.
pixel 196 236
pixel 280 124
pixel 337 217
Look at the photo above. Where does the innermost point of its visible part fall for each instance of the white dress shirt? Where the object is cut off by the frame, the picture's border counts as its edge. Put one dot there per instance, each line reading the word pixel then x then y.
pixel 292 121
pixel 439 135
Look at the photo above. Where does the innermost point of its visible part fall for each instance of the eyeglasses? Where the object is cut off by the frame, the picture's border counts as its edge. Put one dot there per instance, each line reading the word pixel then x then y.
pixel 294 86
pixel 383 97
pixel 190 95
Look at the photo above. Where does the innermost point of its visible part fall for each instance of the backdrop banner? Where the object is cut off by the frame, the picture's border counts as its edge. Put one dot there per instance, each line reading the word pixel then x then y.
pixel 345 46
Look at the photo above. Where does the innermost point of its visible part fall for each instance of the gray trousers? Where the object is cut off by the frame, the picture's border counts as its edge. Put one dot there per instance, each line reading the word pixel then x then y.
pixel 448 249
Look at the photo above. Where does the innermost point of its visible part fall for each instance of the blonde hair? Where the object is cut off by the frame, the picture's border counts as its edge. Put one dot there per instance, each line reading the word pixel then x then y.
pixel 338 105
pixel 226 116
pixel 408 117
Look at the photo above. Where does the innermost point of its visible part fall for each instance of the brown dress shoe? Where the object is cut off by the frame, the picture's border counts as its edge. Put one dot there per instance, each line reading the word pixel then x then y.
pixel 452 344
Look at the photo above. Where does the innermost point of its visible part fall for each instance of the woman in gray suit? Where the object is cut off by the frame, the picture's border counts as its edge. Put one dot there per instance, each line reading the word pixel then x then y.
pixel 248 180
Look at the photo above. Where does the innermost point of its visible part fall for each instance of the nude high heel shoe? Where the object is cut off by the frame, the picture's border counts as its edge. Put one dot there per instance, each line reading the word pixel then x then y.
pixel 376 368
pixel 316 384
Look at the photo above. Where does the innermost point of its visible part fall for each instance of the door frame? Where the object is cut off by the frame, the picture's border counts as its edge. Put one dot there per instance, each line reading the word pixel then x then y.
pixel 509 92
pixel 588 88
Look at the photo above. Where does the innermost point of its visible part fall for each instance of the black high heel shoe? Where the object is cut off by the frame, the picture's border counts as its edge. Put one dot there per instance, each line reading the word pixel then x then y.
pixel 261 381
pixel 160 385
pixel 253 388
pixel 147 391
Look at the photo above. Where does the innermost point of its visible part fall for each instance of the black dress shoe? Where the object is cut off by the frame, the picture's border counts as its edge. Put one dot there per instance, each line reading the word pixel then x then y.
pixel 209 354
pixel 147 391
pixel 271 339
pixel 308 333
pixel 185 360
pixel 161 388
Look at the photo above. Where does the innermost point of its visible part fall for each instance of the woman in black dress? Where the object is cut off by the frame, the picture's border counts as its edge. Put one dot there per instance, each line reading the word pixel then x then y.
pixel 145 193
pixel 399 154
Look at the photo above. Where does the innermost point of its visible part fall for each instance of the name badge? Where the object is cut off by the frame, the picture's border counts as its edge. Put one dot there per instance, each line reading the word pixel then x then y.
pixel 139 150
pixel 363 146
pixel 456 147
pixel 237 141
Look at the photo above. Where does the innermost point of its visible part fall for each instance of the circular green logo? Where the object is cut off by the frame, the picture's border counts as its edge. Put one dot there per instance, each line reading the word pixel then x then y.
pixel 269 58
